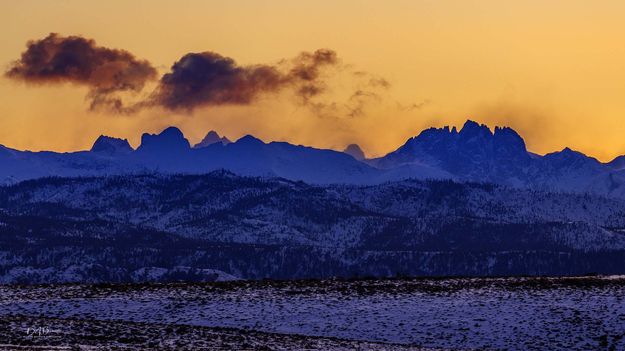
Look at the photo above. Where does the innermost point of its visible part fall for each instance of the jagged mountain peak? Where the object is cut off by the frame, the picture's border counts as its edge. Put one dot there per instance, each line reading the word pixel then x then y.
pixel 473 152
pixel 110 145
pixel 504 129
pixel 211 138
pixel 472 128
pixel 506 139
pixel 436 131
pixel 169 139
pixel 355 151
pixel 469 129
pixel 479 135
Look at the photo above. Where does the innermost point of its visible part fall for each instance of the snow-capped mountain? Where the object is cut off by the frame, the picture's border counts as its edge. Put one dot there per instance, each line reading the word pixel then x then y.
pixel 473 153
pixel 476 153
pixel 170 152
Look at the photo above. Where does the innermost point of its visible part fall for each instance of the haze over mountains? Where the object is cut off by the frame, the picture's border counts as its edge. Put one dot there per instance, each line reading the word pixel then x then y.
pixel 473 153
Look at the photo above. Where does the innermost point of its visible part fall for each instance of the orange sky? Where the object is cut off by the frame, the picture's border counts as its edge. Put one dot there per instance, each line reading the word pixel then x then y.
pixel 553 70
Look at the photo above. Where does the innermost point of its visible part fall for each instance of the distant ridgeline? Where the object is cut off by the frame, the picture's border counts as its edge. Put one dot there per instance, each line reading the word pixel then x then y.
pixel 220 226
pixel 475 153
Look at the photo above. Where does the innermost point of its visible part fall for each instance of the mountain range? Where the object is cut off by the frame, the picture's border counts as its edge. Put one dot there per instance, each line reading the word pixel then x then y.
pixel 473 153
pixel 471 202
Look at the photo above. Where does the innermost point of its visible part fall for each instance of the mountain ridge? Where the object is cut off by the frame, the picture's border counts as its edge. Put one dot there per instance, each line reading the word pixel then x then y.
pixel 108 228
pixel 472 153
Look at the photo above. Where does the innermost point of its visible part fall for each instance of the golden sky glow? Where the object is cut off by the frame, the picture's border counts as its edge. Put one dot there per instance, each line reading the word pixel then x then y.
pixel 553 70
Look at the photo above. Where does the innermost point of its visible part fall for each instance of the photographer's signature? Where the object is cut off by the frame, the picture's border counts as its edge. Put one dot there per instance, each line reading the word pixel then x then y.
pixel 40 331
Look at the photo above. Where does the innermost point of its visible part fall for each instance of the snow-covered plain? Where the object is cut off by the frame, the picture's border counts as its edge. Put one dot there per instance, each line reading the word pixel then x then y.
pixel 480 313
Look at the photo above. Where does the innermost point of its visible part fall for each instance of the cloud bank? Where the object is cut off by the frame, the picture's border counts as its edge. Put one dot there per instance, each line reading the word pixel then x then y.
pixel 208 79
pixel 196 80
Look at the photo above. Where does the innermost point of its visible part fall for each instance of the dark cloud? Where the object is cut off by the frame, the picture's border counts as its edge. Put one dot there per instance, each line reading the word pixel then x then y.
pixel 195 80
pixel 78 60
pixel 208 79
